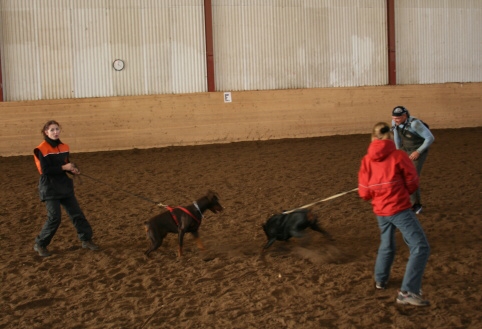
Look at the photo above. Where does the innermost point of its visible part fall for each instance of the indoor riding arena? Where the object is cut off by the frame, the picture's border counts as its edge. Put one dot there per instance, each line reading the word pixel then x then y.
pixel 263 149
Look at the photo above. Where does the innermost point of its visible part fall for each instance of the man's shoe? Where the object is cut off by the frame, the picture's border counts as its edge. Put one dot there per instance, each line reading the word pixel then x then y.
pixel 411 299
pixel 381 285
pixel 42 251
pixel 89 245
pixel 417 208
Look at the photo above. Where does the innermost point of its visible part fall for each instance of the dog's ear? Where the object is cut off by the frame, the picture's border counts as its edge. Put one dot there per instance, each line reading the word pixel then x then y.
pixel 212 195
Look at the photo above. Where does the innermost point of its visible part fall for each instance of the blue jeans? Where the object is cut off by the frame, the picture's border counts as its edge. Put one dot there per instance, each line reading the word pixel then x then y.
pixel 414 237
pixel 416 197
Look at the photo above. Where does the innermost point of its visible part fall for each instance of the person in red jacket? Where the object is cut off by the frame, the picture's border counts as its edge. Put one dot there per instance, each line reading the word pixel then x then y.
pixel 57 189
pixel 387 177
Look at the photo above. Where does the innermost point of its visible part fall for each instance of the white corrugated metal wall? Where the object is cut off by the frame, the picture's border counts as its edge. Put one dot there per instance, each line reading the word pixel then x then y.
pixel 272 44
pixel 65 48
pixel 438 41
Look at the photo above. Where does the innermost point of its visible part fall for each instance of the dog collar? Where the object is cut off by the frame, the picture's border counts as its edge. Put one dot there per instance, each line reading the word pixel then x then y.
pixel 197 207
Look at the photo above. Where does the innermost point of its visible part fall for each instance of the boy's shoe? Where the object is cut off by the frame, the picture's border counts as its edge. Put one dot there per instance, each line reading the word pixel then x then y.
pixel 90 245
pixel 381 285
pixel 412 299
pixel 417 208
pixel 42 251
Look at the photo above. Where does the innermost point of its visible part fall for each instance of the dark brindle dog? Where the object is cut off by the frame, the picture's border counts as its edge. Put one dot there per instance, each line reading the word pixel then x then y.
pixel 180 220
pixel 284 226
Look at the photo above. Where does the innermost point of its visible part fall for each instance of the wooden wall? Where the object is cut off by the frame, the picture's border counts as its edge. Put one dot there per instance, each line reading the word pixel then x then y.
pixel 101 124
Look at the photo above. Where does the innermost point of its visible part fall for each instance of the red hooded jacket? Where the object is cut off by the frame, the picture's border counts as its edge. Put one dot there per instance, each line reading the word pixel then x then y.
pixel 387 176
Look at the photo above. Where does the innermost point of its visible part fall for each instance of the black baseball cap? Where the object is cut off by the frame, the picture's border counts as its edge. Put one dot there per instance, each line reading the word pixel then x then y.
pixel 398 111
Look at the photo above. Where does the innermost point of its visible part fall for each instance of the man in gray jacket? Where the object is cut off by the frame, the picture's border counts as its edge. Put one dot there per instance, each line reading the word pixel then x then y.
pixel 414 137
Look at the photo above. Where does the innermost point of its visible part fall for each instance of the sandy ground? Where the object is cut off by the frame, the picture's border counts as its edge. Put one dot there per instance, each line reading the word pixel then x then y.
pixel 304 283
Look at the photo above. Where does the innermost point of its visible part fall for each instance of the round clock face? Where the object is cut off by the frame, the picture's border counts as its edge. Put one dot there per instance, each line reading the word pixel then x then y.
pixel 118 64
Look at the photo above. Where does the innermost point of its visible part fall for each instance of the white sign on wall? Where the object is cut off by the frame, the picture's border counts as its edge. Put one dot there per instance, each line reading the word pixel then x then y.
pixel 227 97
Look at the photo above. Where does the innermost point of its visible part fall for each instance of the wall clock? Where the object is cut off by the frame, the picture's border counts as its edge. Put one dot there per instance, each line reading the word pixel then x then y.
pixel 118 64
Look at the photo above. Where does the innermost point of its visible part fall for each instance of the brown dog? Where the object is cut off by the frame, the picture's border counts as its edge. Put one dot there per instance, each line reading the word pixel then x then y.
pixel 180 220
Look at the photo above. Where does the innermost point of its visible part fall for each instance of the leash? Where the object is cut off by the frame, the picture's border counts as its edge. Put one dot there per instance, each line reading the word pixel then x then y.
pixel 329 198
pixel 118 189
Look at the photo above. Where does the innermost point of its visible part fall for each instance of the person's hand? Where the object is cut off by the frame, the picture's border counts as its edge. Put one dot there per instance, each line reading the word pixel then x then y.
pixel 71 167
pixel 75 170
pixel 414 155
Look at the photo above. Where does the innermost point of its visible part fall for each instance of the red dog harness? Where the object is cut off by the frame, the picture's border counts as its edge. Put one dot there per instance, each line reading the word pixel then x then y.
pixel 171 210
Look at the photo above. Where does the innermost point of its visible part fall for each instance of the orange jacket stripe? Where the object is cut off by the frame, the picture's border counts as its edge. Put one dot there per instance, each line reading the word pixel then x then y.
pixel 46 149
